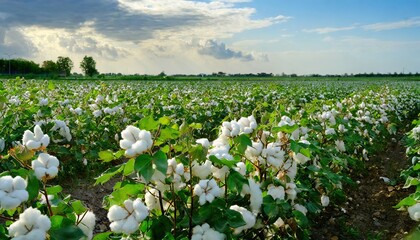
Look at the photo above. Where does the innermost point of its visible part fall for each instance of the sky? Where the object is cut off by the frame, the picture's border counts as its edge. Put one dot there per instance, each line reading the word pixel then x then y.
pixel 205 36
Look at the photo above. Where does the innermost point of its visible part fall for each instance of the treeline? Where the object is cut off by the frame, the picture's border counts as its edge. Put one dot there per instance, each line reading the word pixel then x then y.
pixel 60 68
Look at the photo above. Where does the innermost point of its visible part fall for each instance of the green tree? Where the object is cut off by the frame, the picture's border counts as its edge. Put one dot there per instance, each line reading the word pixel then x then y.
pixel 88 66
pixel 49 67
pixel 64 65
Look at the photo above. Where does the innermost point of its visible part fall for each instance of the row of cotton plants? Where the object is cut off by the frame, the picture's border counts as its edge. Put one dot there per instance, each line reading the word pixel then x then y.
pixel 252 181
pixel 412 175
pixel 187 168
pixel 30 207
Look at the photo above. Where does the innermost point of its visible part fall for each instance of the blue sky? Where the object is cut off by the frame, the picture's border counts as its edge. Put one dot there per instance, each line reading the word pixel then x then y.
pixel 233 36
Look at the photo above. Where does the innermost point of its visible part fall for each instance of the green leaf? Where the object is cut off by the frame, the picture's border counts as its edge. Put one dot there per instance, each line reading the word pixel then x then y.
pixel 3 99
pixel 58 221
pixel 108 174
pixel 411 182
pixel 270 207
pixel 54 189
pixel 408 201
pixel 106 156
pixel 168 134
pixel 235 218
pixel 165 120
pixel 243 141
pixel 197 152
pixel 286 128
pixel 301 219
pixel 223 162
pixel 144 165
pixel 66 233
pixel 33 185
pixel 129 167
pixel 148 123
pixel 78 207
pixel 127 191
pixel 236 181
pixel 51 85
pixel 161 161
pixel 102 236
pixel 160 227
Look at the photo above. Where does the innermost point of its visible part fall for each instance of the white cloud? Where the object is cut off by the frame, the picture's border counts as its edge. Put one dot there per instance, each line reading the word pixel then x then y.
pixel 409 23
pixel 326 30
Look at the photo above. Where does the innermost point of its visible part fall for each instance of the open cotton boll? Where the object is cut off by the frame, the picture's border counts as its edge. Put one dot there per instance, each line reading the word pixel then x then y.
pixel 31 225
pixel 128 218
pixel 207 190
pixel 201 171
pixel 35 140
pixel 300 208
pixel 300 158
pixel 12 192
pixel 87 224
pixel 414 212
pixel 220 173
pixel 247 124
pixel 45 166
pixel 248 217
pixel 256 198
pixel 325 200
pixel 204 142
pixel 274 154
pixel 276 192
pixel 135 141
pixel 339 145
pixel 230 129
pixel 205 232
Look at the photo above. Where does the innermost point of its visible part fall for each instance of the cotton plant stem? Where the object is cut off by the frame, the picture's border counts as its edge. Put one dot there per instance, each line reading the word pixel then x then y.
pixel 47 200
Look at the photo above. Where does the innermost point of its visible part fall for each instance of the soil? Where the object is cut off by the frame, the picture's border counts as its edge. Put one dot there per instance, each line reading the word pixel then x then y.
pixel 368 212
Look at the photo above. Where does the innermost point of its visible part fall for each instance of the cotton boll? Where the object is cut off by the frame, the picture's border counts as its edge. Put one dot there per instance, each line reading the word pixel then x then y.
pixel 116 213
pixel 220 173
pixel 300 208
pixel 241 168
pixel 276 192
pixel 12 192
pixel 87 224
pixel 248 217
pixel 325 200
pixel 202 171
pixel 204 142
pixel 31 225
pixel 300 158
pixel 339 145
pixel 256 198
pixel 414 212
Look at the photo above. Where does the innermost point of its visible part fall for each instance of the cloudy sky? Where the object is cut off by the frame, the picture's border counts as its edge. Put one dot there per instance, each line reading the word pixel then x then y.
pixel 205 36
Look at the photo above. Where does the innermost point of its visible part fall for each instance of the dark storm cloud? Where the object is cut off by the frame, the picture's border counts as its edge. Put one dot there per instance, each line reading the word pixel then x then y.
pixel 107 16
pixel 220 51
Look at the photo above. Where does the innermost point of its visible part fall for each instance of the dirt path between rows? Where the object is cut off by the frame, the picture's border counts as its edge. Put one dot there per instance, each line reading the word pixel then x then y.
pixel 368 212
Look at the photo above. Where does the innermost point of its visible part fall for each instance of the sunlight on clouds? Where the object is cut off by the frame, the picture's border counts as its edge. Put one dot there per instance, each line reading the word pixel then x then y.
pixel 411 22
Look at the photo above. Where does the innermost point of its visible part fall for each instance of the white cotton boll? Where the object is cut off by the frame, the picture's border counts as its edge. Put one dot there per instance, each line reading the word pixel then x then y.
pixel 212 234
pixel 220 173
pixel 240 168
pixel 365 154
pixel 274 154
pixel 254 150
pixel 325 200
pixel 291 191
pixel 276 192
pixel 300 158
pixel 329 131
pixel 300 208
pixel 414 212
pixel 97 113
pixel 116 213
pixel 339 145
pixel 126 144
pixel 256 198
pixel 151 201
pixel 204 142
pixel 12 192
pixel 130 133
pixel 45 166
pixel 140 210
pixel 207 190
pixel 31 225
pixel 202 171
pixel 87 224
pixel 130 225
pixel 248 217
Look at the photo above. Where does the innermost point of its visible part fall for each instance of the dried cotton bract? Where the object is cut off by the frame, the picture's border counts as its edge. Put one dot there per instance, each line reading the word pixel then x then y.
pixel 135 141
pixel 12 192
pixel 31 225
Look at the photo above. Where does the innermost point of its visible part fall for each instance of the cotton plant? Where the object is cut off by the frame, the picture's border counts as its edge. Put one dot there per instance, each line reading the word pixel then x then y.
pixel 205 232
